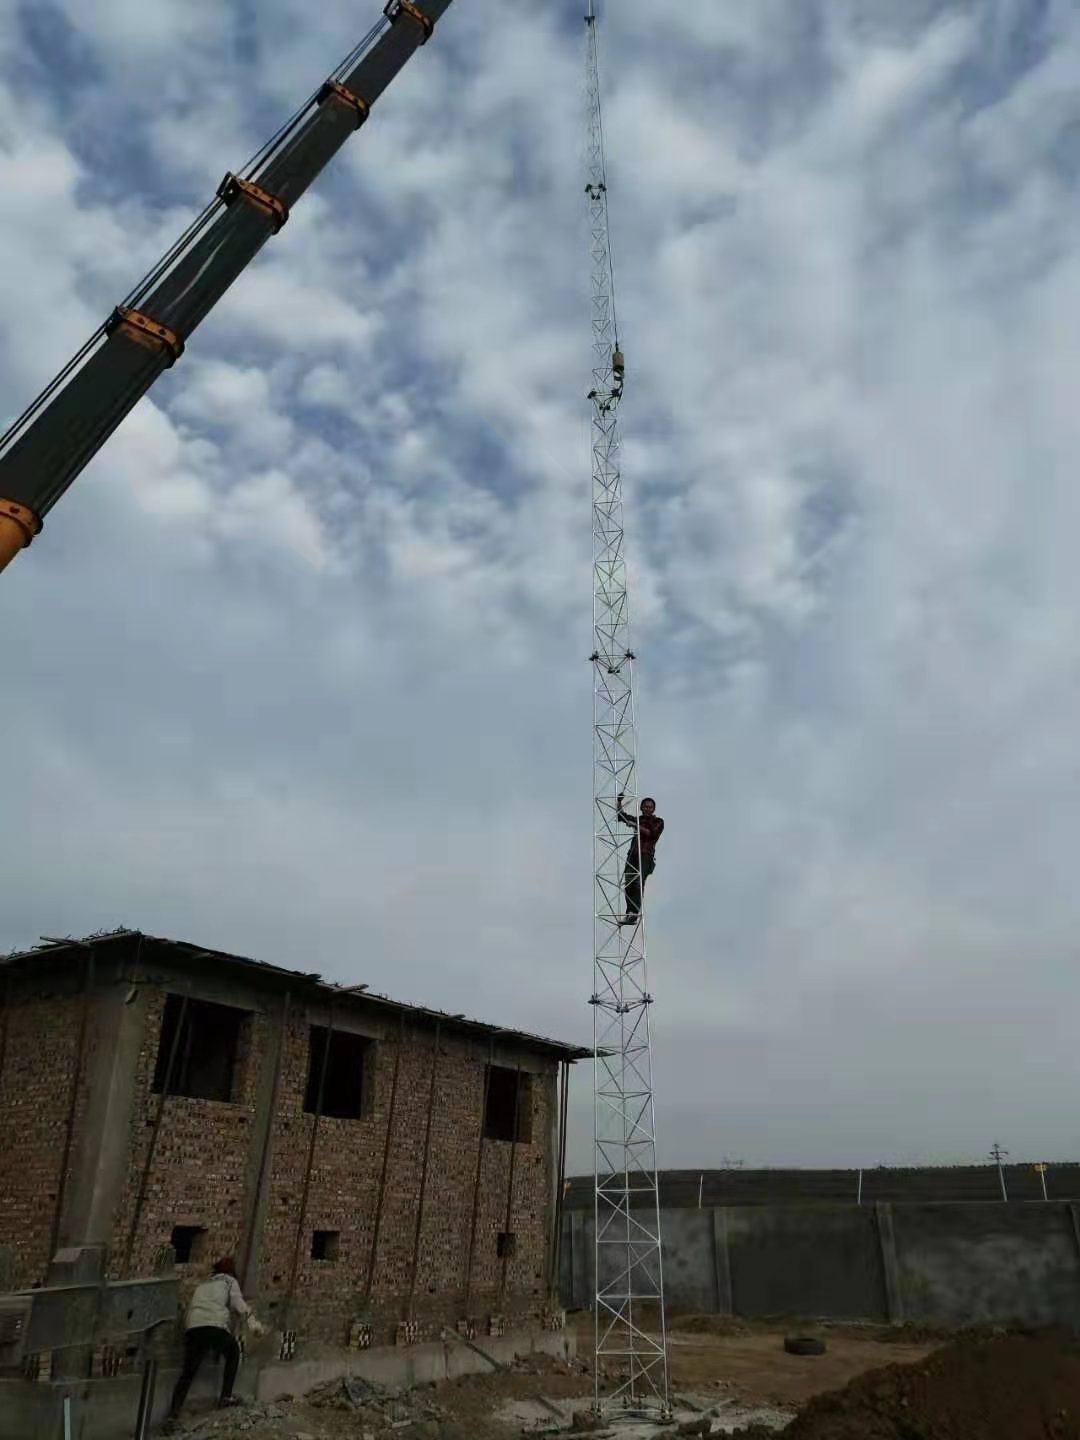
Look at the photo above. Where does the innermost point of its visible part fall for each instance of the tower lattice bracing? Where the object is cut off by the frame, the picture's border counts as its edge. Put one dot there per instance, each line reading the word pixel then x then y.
pixel 631 1343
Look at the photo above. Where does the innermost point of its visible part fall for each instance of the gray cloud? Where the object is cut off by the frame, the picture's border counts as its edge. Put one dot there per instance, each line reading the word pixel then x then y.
pixel 303 672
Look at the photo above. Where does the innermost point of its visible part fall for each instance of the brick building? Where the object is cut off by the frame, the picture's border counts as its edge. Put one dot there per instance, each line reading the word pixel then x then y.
pixel 369 1163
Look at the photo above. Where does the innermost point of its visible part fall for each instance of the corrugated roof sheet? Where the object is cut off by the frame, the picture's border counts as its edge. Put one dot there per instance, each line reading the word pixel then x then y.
pixel 52 947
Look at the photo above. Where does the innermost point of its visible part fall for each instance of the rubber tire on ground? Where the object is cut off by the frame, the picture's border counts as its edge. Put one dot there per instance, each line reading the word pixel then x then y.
pixel 804 1345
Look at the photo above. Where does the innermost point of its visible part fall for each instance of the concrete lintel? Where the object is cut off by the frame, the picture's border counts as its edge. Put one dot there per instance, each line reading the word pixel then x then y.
pixel 220 989
pixel 347 1019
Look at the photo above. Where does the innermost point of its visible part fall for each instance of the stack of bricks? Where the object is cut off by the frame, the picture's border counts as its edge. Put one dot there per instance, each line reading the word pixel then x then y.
pixel 110 1360
pixel 37 1366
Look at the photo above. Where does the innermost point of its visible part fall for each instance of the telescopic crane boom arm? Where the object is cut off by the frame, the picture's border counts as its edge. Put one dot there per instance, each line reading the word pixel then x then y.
pixel 44 451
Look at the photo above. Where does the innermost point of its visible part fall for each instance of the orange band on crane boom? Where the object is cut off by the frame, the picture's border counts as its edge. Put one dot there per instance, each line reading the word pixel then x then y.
pixel 232 188
pixel 145 331
pixel 332 90
pixel 427 25
pixel 18 526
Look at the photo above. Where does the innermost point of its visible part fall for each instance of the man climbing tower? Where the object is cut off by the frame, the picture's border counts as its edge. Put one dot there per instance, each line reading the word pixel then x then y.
pixel 648 827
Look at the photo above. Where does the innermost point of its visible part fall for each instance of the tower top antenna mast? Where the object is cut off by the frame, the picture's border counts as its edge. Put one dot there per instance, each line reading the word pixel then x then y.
pixel 629 1310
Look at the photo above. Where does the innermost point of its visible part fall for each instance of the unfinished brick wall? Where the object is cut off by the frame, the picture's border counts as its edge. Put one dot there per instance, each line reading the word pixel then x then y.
pixel 344 1180
pixel 39 1042
pixel 518 1286
pixel 206 1166
pixel 199 1175
pixel 346 1172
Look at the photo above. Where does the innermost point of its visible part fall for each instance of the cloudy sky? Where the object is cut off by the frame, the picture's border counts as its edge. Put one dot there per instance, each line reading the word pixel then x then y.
pixel 298 668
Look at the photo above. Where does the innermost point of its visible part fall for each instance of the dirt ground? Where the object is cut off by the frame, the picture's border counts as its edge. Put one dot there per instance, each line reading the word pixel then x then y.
pixel 1011 1387
pixel 871 1384
pixel 709 1357
pixel 462 1409
pixel 750 1363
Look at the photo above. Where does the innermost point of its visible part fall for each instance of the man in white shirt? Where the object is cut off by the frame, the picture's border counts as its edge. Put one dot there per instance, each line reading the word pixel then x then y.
pixel 208 1329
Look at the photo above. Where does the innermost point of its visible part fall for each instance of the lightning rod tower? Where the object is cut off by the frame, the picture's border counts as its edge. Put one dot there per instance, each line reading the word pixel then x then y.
pixel 631 1339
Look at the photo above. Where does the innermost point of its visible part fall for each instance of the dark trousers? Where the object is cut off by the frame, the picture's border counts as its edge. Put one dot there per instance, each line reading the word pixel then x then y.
pixel 634 877
pixel 198 1343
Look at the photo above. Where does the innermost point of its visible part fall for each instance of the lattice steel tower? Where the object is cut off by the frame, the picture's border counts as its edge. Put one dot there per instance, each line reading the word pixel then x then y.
pixel 630 1330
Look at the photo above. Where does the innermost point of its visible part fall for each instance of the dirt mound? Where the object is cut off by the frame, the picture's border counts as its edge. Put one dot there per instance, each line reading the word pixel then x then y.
pixel 1017 1387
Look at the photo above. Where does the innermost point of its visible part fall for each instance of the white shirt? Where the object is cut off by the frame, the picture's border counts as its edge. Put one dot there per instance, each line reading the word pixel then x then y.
pixel 214 1303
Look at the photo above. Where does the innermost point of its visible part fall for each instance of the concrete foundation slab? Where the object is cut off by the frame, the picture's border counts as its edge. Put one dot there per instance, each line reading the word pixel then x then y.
pixel 404 1366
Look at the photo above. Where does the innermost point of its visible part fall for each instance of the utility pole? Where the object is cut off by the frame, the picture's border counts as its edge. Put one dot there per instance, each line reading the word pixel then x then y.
pixel 999 1156
pixel 630 1325
pixel 1041 1170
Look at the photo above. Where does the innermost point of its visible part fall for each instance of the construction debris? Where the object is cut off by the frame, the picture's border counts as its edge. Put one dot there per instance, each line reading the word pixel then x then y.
pixel 693 1415
pixel 373 1411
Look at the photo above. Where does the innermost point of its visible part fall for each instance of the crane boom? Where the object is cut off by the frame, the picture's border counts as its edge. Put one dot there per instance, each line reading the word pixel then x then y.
pixel 48 446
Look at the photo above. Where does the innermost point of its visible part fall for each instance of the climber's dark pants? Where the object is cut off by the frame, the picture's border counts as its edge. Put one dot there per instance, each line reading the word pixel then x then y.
pixel 634 877
pixel 197 1345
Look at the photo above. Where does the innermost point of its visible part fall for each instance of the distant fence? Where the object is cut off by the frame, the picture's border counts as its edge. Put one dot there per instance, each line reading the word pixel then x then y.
pixel 948 1265
pixel 684 1189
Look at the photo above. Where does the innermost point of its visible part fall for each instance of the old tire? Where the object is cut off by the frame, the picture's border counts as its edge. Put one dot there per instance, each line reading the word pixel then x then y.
pixel 804 1345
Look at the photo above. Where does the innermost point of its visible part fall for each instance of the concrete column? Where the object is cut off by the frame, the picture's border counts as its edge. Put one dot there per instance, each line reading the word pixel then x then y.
pixel 556 1129
pixel 102 1151
pixel 80 1265
pixel 725 1300
pixel 260 1157
pixel 894 1297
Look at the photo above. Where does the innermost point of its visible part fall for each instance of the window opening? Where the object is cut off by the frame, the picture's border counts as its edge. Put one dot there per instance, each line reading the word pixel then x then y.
pixel 503 1120
pixel 324 1244
pixel 209 1041
pixel 189 1243
pixel 344 1088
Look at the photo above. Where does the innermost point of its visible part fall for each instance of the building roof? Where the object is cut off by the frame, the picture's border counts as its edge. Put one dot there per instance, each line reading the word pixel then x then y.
pixel 69 947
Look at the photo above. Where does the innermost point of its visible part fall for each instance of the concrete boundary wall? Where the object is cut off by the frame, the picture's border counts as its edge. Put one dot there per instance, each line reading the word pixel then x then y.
pixel 933 1264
